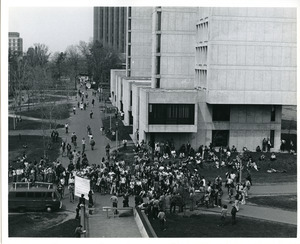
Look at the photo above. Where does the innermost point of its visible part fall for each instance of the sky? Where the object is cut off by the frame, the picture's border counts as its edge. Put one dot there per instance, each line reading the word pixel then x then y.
pixel 56 27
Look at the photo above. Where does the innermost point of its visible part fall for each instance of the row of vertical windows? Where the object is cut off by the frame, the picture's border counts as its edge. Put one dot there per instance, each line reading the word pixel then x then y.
pixel 202 32
pixel 201 55
pixel 171 113
pixel 201 77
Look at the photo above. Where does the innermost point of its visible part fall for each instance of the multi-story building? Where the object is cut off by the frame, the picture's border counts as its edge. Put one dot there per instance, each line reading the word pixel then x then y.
pixel 15 42
pixel 218 75
pixel 110 27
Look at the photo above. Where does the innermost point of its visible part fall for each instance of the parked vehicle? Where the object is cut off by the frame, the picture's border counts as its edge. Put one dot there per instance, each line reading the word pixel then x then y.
pixel 38 196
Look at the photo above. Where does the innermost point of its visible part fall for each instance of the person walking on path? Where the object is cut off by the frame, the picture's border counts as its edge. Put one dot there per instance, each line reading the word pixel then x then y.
pixel 74 110
pixel 91 114
pixel 83 145
pixel 67 128
pixel 93 102
pixel 92 143
pixel 114 201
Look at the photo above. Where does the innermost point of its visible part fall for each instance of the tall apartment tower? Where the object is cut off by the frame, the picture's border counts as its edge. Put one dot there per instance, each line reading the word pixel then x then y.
pixel 15 42
pixel 110 27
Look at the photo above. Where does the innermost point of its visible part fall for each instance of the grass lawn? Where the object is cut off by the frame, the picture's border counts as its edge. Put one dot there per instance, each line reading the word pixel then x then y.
pixel 41 225
pixel 31 125
pixel 60 111
pixel 207 225
pixel 34 148
pixel 123 131
pixel 287 202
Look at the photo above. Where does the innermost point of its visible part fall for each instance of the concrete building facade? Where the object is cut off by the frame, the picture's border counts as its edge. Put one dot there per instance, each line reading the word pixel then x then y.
pixel 15 42
pixel 110 27
pixel 218 75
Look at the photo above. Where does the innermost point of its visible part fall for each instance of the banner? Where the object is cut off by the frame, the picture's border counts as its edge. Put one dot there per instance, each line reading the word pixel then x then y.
pixel 82 186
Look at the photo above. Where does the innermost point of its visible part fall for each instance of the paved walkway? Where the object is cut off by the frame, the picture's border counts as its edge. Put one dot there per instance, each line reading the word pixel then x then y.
pixel 264 213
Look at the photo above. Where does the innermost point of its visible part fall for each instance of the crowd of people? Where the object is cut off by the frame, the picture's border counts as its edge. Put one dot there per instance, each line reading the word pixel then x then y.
pixel 159 176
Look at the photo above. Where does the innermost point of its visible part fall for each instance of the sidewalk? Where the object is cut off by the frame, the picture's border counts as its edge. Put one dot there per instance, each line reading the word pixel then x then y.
pixel 101 226
pixel 260 212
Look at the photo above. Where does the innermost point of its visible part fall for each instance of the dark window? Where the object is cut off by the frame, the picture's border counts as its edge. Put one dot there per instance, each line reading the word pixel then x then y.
pixel 157 65
pixel 30 194
pixel 129 12
pixel 220 138
pixel 20 194
pixel 272 136
pixel 128 63
pixel 39 194
pixel 171 114
pixel 157 83
pixel 129 24
pixel 221 113
pixel 48 194
pixel 158 21
pixel 129 37
pixel 158 40
pixel 130 98
pixel 129 50
pixel 273 113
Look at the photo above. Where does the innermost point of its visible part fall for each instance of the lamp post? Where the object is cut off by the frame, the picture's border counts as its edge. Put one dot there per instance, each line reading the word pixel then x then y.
pixel 117 135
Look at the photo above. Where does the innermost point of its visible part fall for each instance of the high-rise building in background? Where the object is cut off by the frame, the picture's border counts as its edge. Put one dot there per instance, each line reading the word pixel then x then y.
pixel 15 43
pixel 218 75
pixel 110 27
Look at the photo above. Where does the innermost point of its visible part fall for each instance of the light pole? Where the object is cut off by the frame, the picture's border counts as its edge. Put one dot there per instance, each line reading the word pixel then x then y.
pixel 117 135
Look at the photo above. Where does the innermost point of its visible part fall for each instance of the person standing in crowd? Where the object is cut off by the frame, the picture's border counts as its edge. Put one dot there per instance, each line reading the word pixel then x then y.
pixel 71 188
pixel 114 201
pixel 233 214
pixel 223 214
pixel 162 220
pixel 107 149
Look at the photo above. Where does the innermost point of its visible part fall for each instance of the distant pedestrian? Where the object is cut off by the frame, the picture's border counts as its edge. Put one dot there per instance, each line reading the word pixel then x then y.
pixel 91 114
pixel 233 214
pixel 92 143
pixel 83 145
pixel 74 110
pixel 67 128
pixel 93 102
pixel 107 149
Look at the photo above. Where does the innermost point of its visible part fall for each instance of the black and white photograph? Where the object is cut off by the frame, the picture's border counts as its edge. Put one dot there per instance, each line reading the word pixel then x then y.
pixel 152 120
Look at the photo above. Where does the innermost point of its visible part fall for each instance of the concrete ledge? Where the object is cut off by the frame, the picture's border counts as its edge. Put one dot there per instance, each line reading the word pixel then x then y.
pixel 143 224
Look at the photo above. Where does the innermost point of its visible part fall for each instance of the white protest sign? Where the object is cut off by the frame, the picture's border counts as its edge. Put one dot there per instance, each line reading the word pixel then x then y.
pixel 82 186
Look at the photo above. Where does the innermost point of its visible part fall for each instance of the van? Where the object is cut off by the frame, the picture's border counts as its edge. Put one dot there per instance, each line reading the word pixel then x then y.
pixel 38 196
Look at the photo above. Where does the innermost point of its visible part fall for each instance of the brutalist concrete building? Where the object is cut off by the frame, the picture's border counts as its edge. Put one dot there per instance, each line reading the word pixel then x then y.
pixel 217 75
